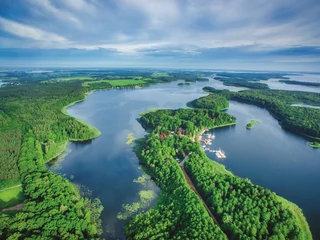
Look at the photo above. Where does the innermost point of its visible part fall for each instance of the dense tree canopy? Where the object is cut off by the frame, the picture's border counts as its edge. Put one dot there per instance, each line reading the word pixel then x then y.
pixel 300 120
pixel 213 102
pixel 244 210
pixel 33 131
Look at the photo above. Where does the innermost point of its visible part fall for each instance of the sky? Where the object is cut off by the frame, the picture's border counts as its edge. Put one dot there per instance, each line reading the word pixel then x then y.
pixel 206 34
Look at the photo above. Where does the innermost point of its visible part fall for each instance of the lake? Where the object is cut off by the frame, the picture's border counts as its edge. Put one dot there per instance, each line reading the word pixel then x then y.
pixel 266 154
pixel 275 84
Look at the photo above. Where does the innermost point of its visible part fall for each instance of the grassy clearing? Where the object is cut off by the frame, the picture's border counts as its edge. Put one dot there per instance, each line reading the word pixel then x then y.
pixel 11 197
pixel 219 168
pixel 8 183
pixel 149 111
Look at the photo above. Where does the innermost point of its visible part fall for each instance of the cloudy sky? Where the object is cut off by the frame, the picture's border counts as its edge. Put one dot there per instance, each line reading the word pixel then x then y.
pixel 211 34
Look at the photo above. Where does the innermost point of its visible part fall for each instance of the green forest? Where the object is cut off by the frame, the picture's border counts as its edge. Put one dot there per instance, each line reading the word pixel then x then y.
pixel 179 213
pixel 247 80
pixel 310 84
pixel 243 210
pixel 300 120
pixel 33 131
pixel 240 82
pixel 213 102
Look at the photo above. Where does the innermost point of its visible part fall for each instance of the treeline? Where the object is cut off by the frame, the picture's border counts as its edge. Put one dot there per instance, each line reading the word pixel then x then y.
pixel 252 76
pixel 53 209
pixel 179 213
pixel 311 84
pixel 184 84
pixel 299 120
pixel 213 102
pixel 244 210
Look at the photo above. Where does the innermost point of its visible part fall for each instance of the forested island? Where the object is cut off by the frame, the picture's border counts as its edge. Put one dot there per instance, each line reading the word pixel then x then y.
pixel 240 82
pixel 184 84
pixel 240 209
pixel 304 121
pixel 247 80
pixel 252 123
pixel 310 84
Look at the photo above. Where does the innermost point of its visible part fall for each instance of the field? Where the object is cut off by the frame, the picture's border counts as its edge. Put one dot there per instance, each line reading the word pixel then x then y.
pixel 11 197
pixel 118 82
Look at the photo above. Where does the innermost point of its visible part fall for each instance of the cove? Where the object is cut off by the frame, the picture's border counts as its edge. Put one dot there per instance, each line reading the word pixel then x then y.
pixel 267 155
pixel 107 165
pixel 271 157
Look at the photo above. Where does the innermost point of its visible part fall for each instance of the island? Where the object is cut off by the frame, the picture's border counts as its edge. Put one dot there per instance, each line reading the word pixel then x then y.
pixel 292 82
pixel 184 84
pixel 130 139
pixel 252 123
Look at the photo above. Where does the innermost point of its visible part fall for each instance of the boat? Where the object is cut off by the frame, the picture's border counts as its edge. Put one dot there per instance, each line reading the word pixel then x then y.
pixel 220 153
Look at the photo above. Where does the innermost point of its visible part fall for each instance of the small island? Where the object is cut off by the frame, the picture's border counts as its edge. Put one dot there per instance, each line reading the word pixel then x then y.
pixel 130 139
pixel 183 84
pixel 252 123
pixel 314 144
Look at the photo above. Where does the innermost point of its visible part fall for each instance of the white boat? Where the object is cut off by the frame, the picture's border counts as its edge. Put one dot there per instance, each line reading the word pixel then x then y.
pixel 220 153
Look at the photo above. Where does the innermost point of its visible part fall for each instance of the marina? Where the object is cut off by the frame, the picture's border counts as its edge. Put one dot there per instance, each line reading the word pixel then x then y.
pixel 208 141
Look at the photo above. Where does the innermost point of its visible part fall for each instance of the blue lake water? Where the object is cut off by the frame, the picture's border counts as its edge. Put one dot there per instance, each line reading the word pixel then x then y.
pixel 266 154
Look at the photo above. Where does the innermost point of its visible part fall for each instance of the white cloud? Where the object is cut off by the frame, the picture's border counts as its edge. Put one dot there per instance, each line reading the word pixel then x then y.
pixel 80 5
pixel 131 25
pixel 49 8
pixel 26 31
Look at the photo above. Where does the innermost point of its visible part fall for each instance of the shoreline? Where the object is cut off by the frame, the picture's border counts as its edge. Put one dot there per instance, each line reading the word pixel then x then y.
pixel 294 209
pixel 221 168
pixel 95 131
pixel 278 119
pixel 63 145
